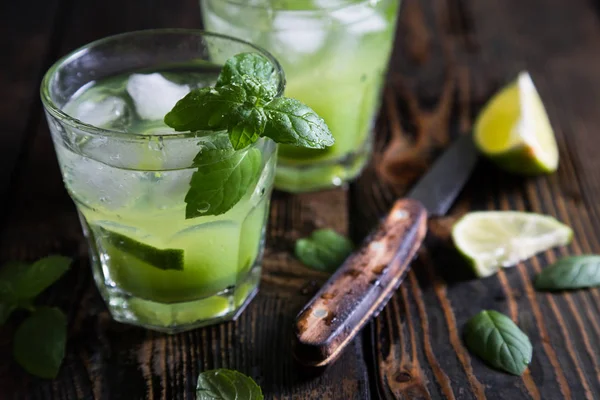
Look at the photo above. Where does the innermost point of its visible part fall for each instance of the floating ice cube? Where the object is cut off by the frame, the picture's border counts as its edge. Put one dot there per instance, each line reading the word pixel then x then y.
pixel 360 19
pixel 170 189
pixel 297 35
pixel 97 184
pixel 153 95
pixel 101 113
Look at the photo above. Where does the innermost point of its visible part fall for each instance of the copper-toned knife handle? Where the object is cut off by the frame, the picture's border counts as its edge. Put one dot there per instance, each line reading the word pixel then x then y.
pixel 361 287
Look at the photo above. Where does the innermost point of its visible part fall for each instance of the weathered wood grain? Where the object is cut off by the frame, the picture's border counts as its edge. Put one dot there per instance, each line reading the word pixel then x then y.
pixel 450 56
pixel 29 46
pixel 482 45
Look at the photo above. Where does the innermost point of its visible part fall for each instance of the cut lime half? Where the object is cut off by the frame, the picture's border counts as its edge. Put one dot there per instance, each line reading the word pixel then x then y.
pixel 490 240
pixel 514 131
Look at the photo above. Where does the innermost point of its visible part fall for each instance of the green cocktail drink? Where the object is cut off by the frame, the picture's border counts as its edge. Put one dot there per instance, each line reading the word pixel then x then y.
pixel 335 54
pixel 175 220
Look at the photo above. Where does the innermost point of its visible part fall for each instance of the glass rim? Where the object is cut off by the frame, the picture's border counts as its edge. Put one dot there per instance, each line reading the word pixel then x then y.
pixel 337 4
pixel 51 107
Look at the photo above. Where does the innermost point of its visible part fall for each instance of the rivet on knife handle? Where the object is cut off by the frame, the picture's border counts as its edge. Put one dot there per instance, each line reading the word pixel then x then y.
pixel 361 287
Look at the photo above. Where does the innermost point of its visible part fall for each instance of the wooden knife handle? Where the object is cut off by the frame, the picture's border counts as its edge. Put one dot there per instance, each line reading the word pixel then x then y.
pixel 361 287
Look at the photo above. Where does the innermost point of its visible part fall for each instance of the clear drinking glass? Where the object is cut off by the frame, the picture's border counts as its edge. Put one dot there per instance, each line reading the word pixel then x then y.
pixel 335 54
pixel 128 174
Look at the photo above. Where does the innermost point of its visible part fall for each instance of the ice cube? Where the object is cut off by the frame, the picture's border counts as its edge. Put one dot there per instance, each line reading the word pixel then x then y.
pixel 97 184
pixel 153 95
pixel 295 36
pixel 101 113
pixel 169 189
pixel 360 19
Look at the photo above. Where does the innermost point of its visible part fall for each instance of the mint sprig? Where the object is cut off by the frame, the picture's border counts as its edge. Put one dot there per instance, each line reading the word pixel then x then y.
pixel 39 343
pixel 243 104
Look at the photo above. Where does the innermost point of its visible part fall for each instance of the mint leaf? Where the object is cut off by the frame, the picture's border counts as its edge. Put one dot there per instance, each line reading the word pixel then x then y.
pixel 226 384
pixel 245 126
pixel 21 282
pixel 214 149
pixel 40 275
pixel 206 109
pixel 292 122
pixel 325 250
pixel 498 341
pixel 570 273
pixel 243 104
pixel 257 93
pixel 39 345
pixel 165 259
pixel 215 188
pixel 243 65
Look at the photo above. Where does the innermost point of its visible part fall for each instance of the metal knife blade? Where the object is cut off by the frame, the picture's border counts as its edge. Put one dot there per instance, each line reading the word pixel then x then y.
pixel 364 283
pixel 440 186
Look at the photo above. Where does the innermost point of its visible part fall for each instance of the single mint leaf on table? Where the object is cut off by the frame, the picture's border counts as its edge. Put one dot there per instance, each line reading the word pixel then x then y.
pixel 241 66
pixel 574 272
pixel 21 282
pixel 225 384
pixel 165 259
pixel 291 122
pixel 325 250
pixel 38 276
pixel 497 340
pixel 39 343
pixel 215 188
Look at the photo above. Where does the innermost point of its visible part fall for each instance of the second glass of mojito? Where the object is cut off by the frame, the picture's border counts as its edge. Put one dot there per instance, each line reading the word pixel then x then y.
pixel 157 263
pixel 335 54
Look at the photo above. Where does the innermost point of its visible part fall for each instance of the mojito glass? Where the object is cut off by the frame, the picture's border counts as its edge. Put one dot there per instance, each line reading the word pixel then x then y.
pixel 128 174
pixel 335 54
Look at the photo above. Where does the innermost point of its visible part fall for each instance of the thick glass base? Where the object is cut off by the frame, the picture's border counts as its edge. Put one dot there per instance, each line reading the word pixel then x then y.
pixel 298 177
pixel 178 317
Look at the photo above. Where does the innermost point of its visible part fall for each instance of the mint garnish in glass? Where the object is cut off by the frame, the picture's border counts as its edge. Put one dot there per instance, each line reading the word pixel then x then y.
pixel 244 104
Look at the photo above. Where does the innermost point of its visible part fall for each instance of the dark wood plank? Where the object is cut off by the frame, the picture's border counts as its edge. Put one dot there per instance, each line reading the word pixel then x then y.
pixel 450 56
pixel 107 360
pixel 28 48
pixel 476 47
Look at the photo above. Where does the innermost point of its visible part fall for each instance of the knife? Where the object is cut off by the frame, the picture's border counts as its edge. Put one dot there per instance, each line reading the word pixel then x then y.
pixel 368 278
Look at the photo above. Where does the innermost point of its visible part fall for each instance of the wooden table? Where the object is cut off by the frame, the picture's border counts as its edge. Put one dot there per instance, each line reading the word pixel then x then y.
pixel 450 56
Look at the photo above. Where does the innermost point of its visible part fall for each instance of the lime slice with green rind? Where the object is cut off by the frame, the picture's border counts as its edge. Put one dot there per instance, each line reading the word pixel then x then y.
pixel 165 259
pixel 490 240
pixel 514 131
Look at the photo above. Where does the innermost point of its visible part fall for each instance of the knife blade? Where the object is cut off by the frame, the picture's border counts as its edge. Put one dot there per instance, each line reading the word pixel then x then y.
pixel 368 278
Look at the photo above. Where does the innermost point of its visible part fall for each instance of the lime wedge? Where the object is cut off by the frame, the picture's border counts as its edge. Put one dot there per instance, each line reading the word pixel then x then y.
pixel 164 259
pixel 514 131
pixel 490 240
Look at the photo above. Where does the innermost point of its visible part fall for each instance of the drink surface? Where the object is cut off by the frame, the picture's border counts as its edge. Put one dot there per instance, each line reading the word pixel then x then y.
pixel 131 193
pixel 335 56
